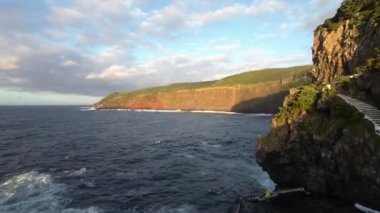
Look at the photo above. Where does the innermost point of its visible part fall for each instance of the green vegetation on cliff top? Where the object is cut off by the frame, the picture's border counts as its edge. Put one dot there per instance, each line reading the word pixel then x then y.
pixel 335 115
pixel 316 110
pixel 300 74
pixel 358 10
pixel 303 100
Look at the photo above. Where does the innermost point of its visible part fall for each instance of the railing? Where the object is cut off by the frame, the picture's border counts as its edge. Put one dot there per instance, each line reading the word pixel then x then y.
pixel 365 209
pixel 370 113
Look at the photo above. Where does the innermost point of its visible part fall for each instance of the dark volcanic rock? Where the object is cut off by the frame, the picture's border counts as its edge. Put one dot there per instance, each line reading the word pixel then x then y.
pixel 330 148
pixel 334 154
pixel 297 203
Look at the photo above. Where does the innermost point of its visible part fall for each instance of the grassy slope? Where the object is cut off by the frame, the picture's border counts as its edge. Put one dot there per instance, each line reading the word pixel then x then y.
pixel 246 78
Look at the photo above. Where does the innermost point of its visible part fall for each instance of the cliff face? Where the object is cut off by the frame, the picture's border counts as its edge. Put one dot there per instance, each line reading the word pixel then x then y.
pixel 250 92
pixel 342 46
pixel 248 99
pixel 329 150
pixel 317 140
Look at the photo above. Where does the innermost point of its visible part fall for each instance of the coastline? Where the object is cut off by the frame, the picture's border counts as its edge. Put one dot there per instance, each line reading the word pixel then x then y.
pixel 89 108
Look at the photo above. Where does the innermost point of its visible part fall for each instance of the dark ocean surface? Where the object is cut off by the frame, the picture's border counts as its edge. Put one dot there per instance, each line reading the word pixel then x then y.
pixel 66 159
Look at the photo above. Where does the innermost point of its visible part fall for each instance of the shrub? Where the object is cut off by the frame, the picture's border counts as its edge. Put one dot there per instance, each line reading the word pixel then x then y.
pixel 305 100
pixel 371 64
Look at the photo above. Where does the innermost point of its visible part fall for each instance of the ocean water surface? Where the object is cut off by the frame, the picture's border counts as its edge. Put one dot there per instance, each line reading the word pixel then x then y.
pixel 66 159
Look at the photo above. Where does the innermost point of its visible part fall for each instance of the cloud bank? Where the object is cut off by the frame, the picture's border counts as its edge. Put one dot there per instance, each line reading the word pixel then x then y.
pixel 94 47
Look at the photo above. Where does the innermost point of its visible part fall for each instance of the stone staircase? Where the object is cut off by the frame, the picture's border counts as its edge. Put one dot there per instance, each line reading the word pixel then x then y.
pixel 371 113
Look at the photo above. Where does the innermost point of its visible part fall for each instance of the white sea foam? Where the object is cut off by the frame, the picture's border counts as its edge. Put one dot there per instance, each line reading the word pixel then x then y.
pixel 156 110
pixel 123 110
pixel 88 183
pixel 214 112
pixel 262 114
pixel 33 192
pixel 263 179
pixel 88 210
pixel 188 156
pixel 186 111
pixel 173 111
pixel 181 209
pixel 78 172
pixel 87 108
pixel 211 145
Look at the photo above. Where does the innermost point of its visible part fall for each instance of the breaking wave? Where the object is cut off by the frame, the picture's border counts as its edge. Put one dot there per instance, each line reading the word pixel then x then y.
pixel 34 192
pixel 75 173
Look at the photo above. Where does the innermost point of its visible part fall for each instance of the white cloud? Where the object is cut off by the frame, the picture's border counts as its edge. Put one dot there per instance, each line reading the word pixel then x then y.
pixel 113 72
pixel 227 47
pixel 175 17
pixel 320 2
pixel 69 63
pixel 110 7
pixel 89 22
pixel 16 97
pixel 8 63
pixel 172 68
pixel 265 36
pixel 295 59
pixel 170 18
pixel 257 53
pixel 57 35
pixel 267 6
pixel 137 12
pixel 285 26
pixel 322 10
pixel 110 55
pixel 82 46
pixel 17 80
pixel 66 16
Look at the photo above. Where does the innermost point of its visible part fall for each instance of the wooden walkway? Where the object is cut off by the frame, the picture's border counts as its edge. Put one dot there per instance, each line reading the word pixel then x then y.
pixel 370 113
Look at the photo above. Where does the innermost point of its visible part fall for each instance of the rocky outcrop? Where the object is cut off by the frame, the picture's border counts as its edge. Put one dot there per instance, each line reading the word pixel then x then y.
pixel 339 49
pixel 331 151
pixel 317 140
pixel 296 203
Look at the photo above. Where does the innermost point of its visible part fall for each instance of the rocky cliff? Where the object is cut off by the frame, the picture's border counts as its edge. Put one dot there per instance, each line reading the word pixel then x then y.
pixel 249 99
pixel 251 92
pixel 347 40
pixel 317 140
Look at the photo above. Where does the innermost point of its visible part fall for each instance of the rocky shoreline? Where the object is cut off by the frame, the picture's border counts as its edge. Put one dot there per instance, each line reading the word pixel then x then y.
pixel 297 202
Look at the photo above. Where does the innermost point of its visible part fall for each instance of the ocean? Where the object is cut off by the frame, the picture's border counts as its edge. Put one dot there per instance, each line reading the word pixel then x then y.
pixel 73 160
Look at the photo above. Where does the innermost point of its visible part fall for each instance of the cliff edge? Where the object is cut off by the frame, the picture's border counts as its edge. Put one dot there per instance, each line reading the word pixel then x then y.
pixel 317 140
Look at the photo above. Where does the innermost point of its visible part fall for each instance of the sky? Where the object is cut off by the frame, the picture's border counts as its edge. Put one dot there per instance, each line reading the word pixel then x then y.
pixel 77 51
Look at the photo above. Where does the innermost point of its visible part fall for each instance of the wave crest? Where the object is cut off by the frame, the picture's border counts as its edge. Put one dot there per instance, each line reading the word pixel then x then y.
pixel 34 192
